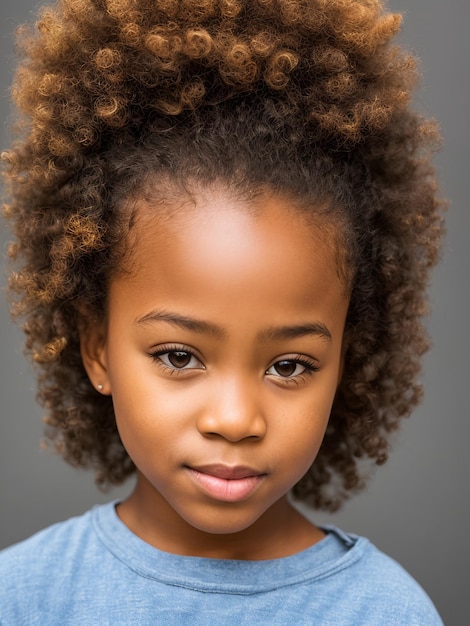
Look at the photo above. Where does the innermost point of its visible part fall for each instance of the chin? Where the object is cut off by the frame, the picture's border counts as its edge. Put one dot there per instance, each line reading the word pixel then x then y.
pixel 227 523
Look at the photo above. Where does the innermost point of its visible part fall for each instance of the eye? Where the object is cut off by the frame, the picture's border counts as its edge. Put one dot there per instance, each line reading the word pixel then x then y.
pixel 177 359
pixel 292 368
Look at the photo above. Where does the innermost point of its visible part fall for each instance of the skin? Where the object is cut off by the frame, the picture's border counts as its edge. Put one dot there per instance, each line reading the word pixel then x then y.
pixel 223 344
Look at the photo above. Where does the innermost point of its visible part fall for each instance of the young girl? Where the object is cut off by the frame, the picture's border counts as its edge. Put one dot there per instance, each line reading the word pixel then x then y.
pixel 225 218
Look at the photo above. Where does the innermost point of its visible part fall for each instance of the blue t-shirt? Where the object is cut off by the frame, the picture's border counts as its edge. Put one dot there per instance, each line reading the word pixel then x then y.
pixel 93 570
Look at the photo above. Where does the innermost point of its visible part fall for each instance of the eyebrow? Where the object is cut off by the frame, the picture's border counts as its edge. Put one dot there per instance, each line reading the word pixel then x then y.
pixel 199 326
pixel 292 332
pixel 182 321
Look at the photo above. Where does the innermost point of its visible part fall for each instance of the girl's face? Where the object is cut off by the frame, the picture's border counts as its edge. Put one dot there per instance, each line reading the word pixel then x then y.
pixel 222 353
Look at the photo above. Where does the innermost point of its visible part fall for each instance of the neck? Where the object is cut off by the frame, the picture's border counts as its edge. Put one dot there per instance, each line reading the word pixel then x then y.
pixel 281 531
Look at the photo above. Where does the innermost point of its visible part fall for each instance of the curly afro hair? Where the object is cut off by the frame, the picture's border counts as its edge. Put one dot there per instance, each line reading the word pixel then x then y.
pixel 307 98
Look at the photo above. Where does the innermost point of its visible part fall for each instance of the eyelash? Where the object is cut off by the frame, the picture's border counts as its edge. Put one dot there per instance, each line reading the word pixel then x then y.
pixel 173 371
pixel 310 367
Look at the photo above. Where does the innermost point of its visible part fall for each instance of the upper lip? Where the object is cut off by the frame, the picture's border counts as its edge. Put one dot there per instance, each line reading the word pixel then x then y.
pixel 229 472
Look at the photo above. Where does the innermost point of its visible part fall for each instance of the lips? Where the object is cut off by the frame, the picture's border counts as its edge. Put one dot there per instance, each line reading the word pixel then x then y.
pixel 224 482
pixel 226 471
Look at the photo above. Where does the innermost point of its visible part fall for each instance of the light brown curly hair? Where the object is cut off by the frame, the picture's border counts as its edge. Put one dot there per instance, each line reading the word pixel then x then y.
pixel 304 97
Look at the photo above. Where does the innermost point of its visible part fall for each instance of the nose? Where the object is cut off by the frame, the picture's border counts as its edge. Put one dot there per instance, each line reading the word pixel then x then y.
pixel 234 411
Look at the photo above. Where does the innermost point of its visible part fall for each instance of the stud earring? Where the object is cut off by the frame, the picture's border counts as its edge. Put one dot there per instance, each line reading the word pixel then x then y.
pixel 99 387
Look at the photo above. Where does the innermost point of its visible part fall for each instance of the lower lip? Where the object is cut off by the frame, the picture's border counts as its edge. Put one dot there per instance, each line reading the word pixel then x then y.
pixel 226 490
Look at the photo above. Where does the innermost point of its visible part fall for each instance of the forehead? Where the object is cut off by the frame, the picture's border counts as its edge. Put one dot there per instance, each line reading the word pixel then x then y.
pixel 232 261
pixel 223 223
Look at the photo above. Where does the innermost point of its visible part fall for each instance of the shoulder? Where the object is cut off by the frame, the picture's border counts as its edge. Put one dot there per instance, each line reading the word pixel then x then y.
pixel 37 571
pixel 43 549
pixel 375 585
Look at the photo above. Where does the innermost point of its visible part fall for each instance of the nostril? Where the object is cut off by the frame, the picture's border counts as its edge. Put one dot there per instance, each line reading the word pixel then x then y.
pixel 233 428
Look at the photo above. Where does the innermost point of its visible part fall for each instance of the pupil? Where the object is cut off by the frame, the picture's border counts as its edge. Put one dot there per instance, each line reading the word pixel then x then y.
pixel 285 368
pixel 179 359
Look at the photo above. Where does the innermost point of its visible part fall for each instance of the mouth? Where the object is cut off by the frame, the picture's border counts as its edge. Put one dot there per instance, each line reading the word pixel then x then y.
pixel 226 483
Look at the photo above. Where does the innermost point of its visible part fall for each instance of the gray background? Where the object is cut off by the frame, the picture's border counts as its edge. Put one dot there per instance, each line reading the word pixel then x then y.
pixel 416 507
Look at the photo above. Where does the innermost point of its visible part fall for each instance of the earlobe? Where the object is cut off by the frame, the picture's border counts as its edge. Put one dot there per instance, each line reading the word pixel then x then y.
pixel 93 353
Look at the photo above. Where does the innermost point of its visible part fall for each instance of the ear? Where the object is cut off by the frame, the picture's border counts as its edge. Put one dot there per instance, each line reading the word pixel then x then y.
pixel 93 352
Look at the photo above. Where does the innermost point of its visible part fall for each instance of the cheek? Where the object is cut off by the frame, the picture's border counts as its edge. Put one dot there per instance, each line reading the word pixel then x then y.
pixel 152 415
pixel 301 426
pixel 306 439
